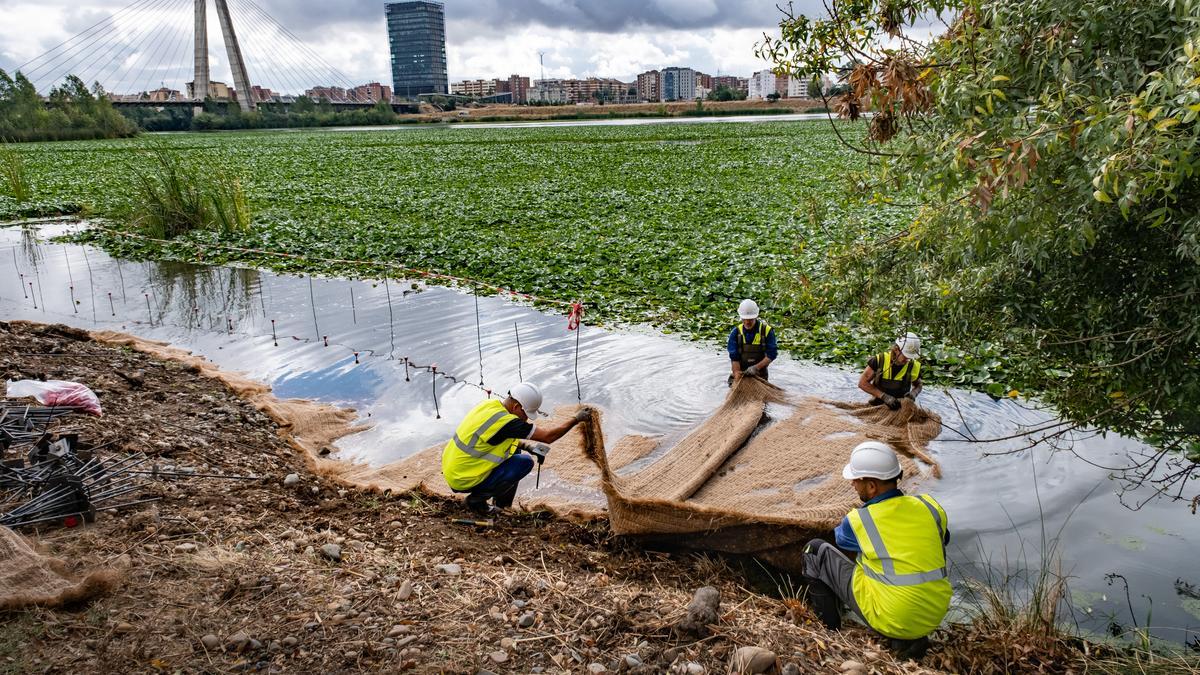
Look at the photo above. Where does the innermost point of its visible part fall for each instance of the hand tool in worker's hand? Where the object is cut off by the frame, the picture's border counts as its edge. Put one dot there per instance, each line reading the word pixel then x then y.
pixel 539 451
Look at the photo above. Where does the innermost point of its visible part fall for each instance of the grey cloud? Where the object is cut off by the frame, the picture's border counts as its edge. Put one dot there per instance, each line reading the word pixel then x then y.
pixel 604 16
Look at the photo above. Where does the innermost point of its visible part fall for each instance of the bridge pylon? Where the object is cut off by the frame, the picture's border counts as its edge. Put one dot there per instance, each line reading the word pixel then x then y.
pixel 202 79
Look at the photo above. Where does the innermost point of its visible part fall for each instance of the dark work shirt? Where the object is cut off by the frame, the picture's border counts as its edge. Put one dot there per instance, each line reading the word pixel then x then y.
pixel 769 343
pixel 515 429
pixel 844 536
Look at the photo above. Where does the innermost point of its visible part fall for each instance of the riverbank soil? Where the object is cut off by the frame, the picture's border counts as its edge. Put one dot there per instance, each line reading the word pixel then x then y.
pixel 298 574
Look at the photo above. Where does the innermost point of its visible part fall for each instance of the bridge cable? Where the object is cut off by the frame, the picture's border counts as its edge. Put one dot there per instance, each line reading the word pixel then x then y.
pixel 157 29
pixel 50 66
pixel 158 58
pixel 274 32
pixel 153 53
pixel 94 27
pixel 283 70
pixel 304 48
pixel 112 49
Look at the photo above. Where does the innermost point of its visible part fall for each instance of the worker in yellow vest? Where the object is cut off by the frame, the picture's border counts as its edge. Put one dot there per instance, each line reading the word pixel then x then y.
pixel 752 344
pixel 483 459
pixel 897 584
pixel 894 374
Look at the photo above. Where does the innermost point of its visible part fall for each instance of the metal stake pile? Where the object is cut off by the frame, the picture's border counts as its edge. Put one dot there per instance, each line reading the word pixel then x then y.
pixel 61 485
pixel 55 481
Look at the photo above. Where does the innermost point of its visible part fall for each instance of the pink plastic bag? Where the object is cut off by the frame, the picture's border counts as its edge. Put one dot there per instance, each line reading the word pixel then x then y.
pixel 57 394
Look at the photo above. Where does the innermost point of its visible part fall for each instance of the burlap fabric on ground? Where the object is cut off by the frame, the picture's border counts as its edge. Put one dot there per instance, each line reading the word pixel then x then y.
pixel 29 578
pixel 726 488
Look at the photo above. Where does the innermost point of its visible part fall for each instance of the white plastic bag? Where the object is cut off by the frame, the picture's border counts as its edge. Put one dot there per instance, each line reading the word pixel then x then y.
pixel 57 394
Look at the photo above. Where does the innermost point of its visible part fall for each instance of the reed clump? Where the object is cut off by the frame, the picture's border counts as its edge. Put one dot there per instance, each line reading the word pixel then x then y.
pixel 174 197
pixel 13 176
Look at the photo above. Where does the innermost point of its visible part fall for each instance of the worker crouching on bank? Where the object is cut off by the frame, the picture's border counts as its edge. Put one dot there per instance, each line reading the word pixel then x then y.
pixel 483 458
pixel 897 584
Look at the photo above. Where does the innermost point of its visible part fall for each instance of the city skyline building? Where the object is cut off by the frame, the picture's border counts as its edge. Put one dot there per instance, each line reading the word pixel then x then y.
pixel 417 41
pixel 677 84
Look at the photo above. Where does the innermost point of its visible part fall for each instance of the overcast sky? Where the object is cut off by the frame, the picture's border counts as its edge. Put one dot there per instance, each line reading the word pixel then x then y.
pixel 485 38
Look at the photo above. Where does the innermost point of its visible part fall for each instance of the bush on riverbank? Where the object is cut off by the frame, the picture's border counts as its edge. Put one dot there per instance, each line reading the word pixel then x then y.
pixel 71 112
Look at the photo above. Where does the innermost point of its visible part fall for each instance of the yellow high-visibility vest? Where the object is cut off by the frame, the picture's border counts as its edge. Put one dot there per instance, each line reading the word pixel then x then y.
pixel 468 457
pixel 752 350
pixel 896 382
pixel 900 579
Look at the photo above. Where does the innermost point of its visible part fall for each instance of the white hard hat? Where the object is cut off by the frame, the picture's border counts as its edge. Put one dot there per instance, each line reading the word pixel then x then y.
pixel 872 459
pixel 910 345
pixel 748 309
pixel 529 396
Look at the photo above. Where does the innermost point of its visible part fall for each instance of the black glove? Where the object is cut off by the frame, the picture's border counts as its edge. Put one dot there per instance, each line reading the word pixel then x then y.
pixel 731 379
pixel 891 402
pixel 752 370
pixel 584 415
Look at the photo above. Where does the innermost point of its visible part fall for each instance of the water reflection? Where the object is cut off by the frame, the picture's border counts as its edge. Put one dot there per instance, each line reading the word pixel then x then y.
pixel 357 343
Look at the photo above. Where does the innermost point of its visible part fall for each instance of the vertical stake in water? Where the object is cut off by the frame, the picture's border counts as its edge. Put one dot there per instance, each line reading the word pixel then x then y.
pixel 578 390
pixel 392 326
pixel 111 306
pixel 406 377
pixel 517 332
pixel 478 336
pixel 149 312
pixel 353 309
pixel 22 277
pixel 436 410
pixel 121 275
pixel 41 296
pixel 312 301
pixel 91 282
pixel 74 305
pixel 70 277
pixel 35 301
pixel 273 338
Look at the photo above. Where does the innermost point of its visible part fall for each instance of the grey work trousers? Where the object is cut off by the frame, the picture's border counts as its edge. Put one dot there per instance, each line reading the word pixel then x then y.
pixel 824 562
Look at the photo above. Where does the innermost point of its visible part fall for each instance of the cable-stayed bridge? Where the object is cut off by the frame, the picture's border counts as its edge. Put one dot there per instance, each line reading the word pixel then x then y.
pixel 157 52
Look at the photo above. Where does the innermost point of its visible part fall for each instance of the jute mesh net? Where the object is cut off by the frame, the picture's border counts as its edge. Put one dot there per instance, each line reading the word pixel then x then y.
pixel 734 484
pixel 30 578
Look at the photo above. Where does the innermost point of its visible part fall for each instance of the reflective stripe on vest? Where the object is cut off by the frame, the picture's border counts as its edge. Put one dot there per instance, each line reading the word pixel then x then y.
pixel 889 576
pixel 471 448
pixel 900 579
pixel 469 456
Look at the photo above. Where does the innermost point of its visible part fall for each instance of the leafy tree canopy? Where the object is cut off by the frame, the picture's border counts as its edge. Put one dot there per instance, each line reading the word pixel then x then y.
pixel 1050 151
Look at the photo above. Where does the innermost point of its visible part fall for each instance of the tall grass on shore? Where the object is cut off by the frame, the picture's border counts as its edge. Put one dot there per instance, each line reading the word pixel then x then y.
pixel 12 173
pixel 175 197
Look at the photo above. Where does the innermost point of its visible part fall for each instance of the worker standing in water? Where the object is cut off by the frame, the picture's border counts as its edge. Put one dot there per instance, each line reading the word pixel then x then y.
pixel 752 344
pixel 894 374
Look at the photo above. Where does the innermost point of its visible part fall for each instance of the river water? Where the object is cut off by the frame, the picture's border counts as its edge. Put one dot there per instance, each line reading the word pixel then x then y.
pixel 1002 508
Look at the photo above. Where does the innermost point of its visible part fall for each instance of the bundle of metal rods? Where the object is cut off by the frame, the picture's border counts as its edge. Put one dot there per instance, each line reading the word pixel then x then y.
pixel 54 483
pixel 21 424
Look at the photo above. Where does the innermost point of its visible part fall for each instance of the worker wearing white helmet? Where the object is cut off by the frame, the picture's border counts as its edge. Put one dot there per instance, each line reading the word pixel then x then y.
pixel 482 458
pixel 894 374
pixel 897 584
pixel 752 344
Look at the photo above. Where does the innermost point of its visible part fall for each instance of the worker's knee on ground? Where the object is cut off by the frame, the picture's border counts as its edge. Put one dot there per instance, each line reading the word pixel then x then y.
pixel 522 465
pixel 813 546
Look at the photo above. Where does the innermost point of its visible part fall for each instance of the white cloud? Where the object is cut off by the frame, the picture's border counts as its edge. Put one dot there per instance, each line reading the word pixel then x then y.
pixel 479 44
